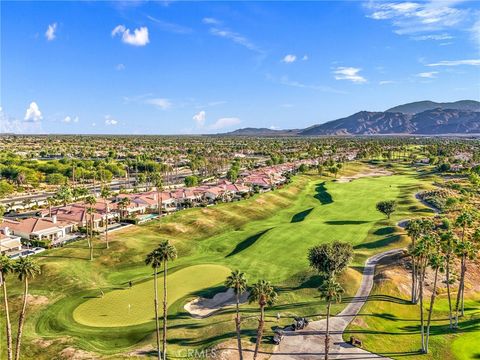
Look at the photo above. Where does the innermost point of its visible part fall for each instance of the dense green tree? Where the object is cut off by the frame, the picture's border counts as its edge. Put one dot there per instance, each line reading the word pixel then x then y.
pixel 386 207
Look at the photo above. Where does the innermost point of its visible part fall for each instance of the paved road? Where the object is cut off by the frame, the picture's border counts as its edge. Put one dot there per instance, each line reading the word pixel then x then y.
pixel 309 344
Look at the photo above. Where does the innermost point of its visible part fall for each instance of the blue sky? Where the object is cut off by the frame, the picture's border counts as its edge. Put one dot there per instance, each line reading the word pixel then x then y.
pixel 139 67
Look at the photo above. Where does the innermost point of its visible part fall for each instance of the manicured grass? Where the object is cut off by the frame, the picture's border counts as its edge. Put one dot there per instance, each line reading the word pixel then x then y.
pixel 266 236
pixel 133 306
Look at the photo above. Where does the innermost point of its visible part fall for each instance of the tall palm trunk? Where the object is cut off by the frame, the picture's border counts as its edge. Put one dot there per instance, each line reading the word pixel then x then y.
pixel 460 290
pixel 164 335
pixel 157 326
pixel 448 293
pixel 327 332
pixel 237 328
pixel 422 326
pixel 414 285
pixel 8 325
pixel 91 237
pixel 106 223
pixel 261 323
pixel 430 311
pixel 21 320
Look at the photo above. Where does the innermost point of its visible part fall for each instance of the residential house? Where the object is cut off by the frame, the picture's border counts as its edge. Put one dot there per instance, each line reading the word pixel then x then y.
pixel 8 241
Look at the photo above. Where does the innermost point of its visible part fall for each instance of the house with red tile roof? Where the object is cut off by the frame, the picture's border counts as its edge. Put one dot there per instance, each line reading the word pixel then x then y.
pixel 39 228
pixel 8 241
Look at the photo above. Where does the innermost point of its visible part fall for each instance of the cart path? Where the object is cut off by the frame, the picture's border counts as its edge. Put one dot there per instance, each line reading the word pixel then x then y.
pixel 309 344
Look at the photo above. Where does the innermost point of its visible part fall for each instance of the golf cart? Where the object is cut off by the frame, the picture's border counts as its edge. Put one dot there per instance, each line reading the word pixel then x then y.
pixel 300 323
pixel 278 336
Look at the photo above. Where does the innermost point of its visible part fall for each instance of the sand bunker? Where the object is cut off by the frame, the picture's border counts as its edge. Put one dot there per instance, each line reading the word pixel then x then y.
pixel 373 172
pixel 202 307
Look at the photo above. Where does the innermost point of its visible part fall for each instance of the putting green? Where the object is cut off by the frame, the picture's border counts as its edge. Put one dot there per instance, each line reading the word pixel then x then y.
pixel 134 306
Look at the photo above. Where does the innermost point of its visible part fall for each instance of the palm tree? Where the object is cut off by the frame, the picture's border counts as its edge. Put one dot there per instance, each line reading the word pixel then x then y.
pixel 154 259
pixel 6 266
pixel 64 195
pixel 158 181
pixel 90 200
pixel 25 268
pixel 422 252
pixel 435 262
pixel 238 282
pixel 330 291
pixel 414 230
pixel 464 220
pixel 158 257
pixel 122 205
pixel 264 294
pixel 105 194
pixel 51 201
pixel 449 243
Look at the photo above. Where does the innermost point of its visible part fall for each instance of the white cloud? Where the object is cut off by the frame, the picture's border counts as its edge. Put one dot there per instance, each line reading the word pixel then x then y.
pixel 109 121
pixel 225 123
pixel 12 125
pixel 139 37
pixel 161 103
pixel 349 73
pixel 68 119
pixel 417 17
pixel 199 118
pixel 472 62
pixel 433 37
pixel 386 82
pixel 170 27
pixel 33 113
pixel 211 21
pixel 50 33
pixel 428 74
pixel 289 58
pixel 235 37
pixel 284 80
pixel 120 67
pixel 305 57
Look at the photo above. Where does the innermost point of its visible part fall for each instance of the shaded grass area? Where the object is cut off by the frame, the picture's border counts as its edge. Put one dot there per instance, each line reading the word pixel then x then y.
pixel 298 217
pixel 256 236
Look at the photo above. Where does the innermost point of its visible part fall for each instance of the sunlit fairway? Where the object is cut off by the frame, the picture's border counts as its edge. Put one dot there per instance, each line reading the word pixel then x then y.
pixel 266 237
pixel 132 306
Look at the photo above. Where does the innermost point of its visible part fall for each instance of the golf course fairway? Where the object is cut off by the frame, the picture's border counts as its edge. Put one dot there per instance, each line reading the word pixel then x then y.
pixel 133 306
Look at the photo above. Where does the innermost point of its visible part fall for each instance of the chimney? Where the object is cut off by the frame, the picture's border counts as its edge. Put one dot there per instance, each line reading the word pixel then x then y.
pixel 155 196
pixel 6 230
pixel 54 219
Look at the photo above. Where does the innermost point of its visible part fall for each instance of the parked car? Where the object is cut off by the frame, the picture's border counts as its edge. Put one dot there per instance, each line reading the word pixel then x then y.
pixel 38 250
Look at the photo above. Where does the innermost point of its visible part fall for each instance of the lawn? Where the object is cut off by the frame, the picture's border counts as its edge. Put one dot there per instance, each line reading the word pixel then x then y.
pixel 132 306
pixel 266 236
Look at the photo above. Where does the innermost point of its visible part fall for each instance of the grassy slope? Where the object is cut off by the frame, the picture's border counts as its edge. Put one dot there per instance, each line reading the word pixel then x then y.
pixel 389 325
pixel 266 236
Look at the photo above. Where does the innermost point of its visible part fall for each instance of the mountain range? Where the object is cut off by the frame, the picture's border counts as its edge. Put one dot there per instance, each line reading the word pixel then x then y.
pixel 417 118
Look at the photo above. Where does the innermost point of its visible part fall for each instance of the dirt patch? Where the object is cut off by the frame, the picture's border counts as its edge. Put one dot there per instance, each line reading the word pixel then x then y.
pixel 71 353
pixel 202 307
pixel 228 351
pixel 43 343
pixel 37 300
pixel 397 270
pixel 370 172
